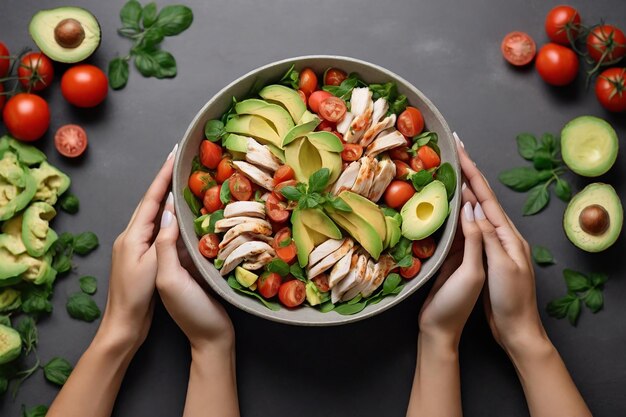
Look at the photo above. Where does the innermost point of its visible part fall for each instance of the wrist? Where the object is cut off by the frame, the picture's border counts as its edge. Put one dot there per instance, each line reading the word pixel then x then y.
pixel 528 346
pixel 438 346
pixel 118 336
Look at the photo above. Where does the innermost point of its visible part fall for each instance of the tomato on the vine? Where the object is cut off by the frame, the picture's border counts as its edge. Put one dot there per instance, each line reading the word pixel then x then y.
pixel 611 89
pixel 5 60
pixel 35 71
pixel 26 116
pixel 606 43
pixel 560 21
pixel 84 85
pixel 556 64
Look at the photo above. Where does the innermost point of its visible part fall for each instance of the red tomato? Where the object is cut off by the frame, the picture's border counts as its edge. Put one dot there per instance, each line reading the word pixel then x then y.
pixel 402 169
pixel 210 154
pixel 411 271
pixel 292 293
pixel 84 85
pixel 211 200
pixel 326 126
pixel 398 193
pixel 277 189
pixel 424 248
pixel 316 98
pixel 321 282
pixel 556 64
pixel 5 60
pixel 284 246
pixel 276 209
pixel 240 187
pixel 401 154
pixel 209 245
pixel 334 76
pixel 70 140
pixel 416 164
pixel 199 182
pixel 428 157
pixel 611 89
pixel 302 95
pixel 26 116
pixel 308 81
pixel 410 122
pixel 518 48
pixel 339 135
pixel 268 284
pixel 224 170
pixel 561 20
pixel 606 43
pixel 332 109
pixel 284 173
pixel 351 152
pixel 35 71
pixel 2 97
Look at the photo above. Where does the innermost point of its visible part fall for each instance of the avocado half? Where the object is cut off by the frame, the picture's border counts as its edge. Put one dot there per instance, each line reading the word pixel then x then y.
pixel 589 146
pixel 593 219
pixel 66 34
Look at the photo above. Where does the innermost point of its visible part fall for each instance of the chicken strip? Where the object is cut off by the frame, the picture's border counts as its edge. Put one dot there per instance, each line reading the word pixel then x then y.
pixel 261 156
pixel 347 178
pixel 361 107
pixel 365 176
pixel 256 175
pixel 248 249
pixel 245 208
pixel 385 173
pixel 359 275
pixel 331 259
pixel 362 282
pixel 384 142
pixel 228 222
pixel 380 109
pixel 258 262
pixel 324 249
pixel 340 270
pixel 344 124
pixel 360 100
pixel 257 226
pixel 376 128
pixel 347 282
pixel 381 270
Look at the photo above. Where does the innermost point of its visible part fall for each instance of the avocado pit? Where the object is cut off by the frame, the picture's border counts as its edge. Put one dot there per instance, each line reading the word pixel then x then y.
pixel 594 219
pixel 69 33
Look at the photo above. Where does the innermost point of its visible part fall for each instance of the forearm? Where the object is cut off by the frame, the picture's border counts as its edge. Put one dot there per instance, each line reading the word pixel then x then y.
pixel 212 389
pixel 437 383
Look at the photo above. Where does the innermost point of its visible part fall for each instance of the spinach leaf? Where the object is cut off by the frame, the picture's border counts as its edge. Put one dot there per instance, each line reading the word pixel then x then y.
pixel 234 284
pixel 192 201
pixel 296 270
pixel 225 195
pixel 421 179
pixel 344 89
pixel 542 256
pixel 349 309
pixel 291 78
pixel 37 411
pixel 391 283
pixel 214 130
pixel 215 216
pixel 70 203
pixel 445 174
pixel 279 266
pixel 57 371
pixel 85 242
pixel 118 73
pixel 80 306
pixel 88 284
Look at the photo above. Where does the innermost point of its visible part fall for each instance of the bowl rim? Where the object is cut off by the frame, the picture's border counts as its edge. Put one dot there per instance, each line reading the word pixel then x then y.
pixel 231 295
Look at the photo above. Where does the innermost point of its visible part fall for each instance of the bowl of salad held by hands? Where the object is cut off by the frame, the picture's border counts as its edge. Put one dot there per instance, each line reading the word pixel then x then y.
pixel 317 190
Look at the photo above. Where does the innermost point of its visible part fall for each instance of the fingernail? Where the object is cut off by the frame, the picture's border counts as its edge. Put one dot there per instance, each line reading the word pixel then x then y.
pixel 479 214
pixel 459 141
pixel 170 200
pixel 166 219
pixel 463 186
pixel 469 213
pixel 173 153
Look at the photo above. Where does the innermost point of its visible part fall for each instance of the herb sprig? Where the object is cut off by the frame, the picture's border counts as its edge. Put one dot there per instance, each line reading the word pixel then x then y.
pixel 313 195
pixel 581 289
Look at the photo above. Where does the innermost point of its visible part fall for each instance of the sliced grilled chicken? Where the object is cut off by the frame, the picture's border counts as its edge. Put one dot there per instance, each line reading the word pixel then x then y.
pixel 239 240
pixel 344 123
pixel 385 172
pixel 258 226
pixel 245 208
pixel 369 181
pixel 381 270
pixel 347 282
pixel 256 175
pixel 360 100
pixel 340 270
pixel 365 176
pixel 258 262
pixel 331 259
pixel 359 275
pixel 347 178
pixel 384 142
pixel 375 129
pixel 324 249
pixel 362 107
pixel 380 109
pixel 228 222
pixel 246 250
pixel 261 156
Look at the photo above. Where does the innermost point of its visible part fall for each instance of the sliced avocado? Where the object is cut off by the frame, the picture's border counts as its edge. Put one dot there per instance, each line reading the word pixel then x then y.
pixel 36 232
pixel 307 125
pixel 286 97
pixel 26 154
pixel 359 229
pixel 280 118
pixel 10 344
pixel 236 143
pixel 51 183
pixel 305 159
pixel 39 270
pixel 589 146
pixel 201 224
pixel 9 266
pixel 332 161
pixel 17 186
pixel 254 126
pixel 65 34
pixel 9 300
pixel 393 232
pixel 425 212
pixel 316 237
pixel 245 277
pixel 301 237
pixel 316 220
pixel 313 295
pixel 368 210
pixel 278 152
pixel 593 219
pixel 11 237
pixel 326 141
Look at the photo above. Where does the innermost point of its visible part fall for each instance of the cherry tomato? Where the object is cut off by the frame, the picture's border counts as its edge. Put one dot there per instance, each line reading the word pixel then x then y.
pixel 209 245
pixel 398 193
pixel 401 154
pixel 278 188
pixel 292 293
pixel 326 126
pixel 351 152
pixel 518 48
pixel 424 248
pixel 402 169
pixel 70 140
pixel 240 187
pixel 339 135
pixel 428 157
pixel 321 282
pixel 332 109
pixel 302 95
pixel 35 71
pixel 308 81
pixel 316 98
pixel 561 20
pixel 210 154
pixel 268 284
pixel 2 97
pixel 410 122
pixel 211 200
pixel 284 246
pixel 416 164
pixel 611 89
pixel 276 209
pixel 606 43
pixel 556 64
pixel 5 60
pixel 84 85
pixel 334 76
pixel 284 173
pixel 224 170
pixel 203 211
pixel 411 271
pixel 26 116
pixel 199 182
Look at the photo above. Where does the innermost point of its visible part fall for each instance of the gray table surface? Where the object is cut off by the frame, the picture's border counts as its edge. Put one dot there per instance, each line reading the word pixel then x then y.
pixel 450 50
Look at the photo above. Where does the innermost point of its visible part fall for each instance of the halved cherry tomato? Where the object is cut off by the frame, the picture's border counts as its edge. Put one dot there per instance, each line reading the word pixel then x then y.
pixel 209 245
pixel 351 152
pixel 277 189
pixel 308 81
pixel 203 211
pixel 326 126
pixel 416 164
pixel 5 61
pixel 339 135
pixel 398 193
pixel 212 200
pixel 410 122
pixel 606 43
pixel 224 170
pixel 334 76
pixel 561 20
pixel 402 169
pixel 284 173
pixel 199 182
pixel 284 245
pixel 424 248
pixel 316 98
pixel 268 284
pixel 210 154
pixel 292 293
pixel 302 95
pixel 276 209
pixel 518 48
pixel 240 187
pixel 70 140
pixel 321 282
pixel 332 109
pixel 411 271
pixel 401 154
pixel 35 70
pixel 429 157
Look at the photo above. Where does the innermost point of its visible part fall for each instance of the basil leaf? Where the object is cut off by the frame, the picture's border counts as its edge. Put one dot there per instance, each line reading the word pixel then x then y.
pixel 573 311
pixel 291 193
pixel 174 19
pixel 406 262
pixel 319 180
pixel 558 308
pixel 37 411
pixel 279 266
pixel 542 256
pixel 85 243
pixel 35 300
pixel 291 78
pixel 196 165
pixel 389 212
pixel 445 173
pixel 155 63
pixel 598 280
pixel 398 106
pixel 524 178
pixel 424 139
pixel 88 284
pixel 538 198
pixel 388 91
pixel 192 201
pixel 82 307
pixel 391 283
pixel 548 142
pixel 149 14
pixel 401 250
pixel 339 204
pixel 594 300
pixel 28 332
pixel 130 14
pixel 526 145
pixel 214 130
pixel 225 195
pixel 235 285
pixel 118 73
pixel 70 203
pixel 349 309
pixel 344 89
pixel 215 216
pixel 297 271
pixel 563 190
pixel 62 263
pixel 230 113
pixel 421 179
pixel 576 282
pixel 57 371
pixel 542 159
pixel 151 38
pixel 356 299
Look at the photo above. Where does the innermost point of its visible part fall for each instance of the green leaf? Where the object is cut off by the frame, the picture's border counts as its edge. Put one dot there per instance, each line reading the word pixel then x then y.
pixel 326 307
pixel 421 179
pixel 192 201
pixel 130 14
pixel 573 311
pixel 37 411
pixel 542 159
pixel 338 204
pixel 80 306
pixel 526 145
pixel 388 91
pixel 174 19
pixel 563 190
pixel 285 242
pixel 85 243
pixel 5 320
pixel 598 280
pixel 35 300
pixel 279 266
pixel 389 212
pixel 149 14
pixel 214 130
pixel 88 284
pixel 225 195
pixel 575 281
pixel 537 199
pixel 344 89
pixel 28 331
pixel 424 138
pixel 232 282
pixel 296 270
pixel 349 309
pixel 391 283
pixel 401 250
pixel 57 371
pixel 118 73
pixel 62 263
pixel 231 112
pixel 155 63
pixel 548 142
pixel 151 38
pixel 218 263
pixel 215 216
pixel 319 180
pixel 594 300
pixel 70 203
pixel 291 193
pixel 559 307
pixel 406 262
pixel 291 78
pixel 445 173
pixel 398 106
pixel 523 178
pixel 4 385
pixel 542 256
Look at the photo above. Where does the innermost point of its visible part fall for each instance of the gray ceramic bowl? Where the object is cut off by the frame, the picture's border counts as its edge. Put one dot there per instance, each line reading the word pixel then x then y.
pixel 213 109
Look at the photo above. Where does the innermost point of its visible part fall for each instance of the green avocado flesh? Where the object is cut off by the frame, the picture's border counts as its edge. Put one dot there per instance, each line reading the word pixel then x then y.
pixel 425 212
pixel 10 344
pixel 589 146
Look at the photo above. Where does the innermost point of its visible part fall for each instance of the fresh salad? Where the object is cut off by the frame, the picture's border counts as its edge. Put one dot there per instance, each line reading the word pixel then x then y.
pixel 327 197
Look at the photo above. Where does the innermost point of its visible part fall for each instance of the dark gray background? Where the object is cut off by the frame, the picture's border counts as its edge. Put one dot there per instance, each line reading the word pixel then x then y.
pixel 448 49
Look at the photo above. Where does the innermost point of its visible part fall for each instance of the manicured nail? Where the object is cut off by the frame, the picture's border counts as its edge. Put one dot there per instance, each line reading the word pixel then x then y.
pixel 166 219
pixel 469 213
pixel 463 186
pixel 170 200
pixel 459 141
pixel 173 153
pixel 479 214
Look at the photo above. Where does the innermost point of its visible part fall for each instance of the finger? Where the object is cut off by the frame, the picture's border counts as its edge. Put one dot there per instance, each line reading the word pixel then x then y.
pixel 168 263
pixel 467 194
pixel 493 246
pixel 473 251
